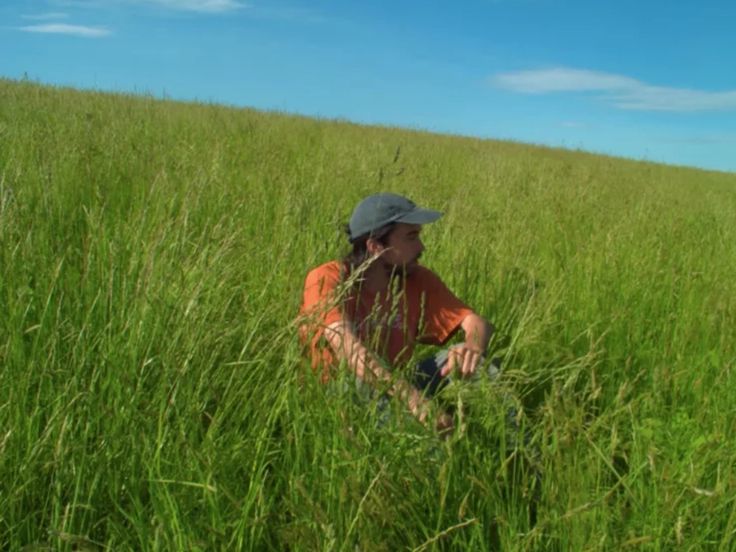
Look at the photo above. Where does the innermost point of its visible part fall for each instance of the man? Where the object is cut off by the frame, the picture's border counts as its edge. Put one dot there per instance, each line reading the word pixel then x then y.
pixel 369 310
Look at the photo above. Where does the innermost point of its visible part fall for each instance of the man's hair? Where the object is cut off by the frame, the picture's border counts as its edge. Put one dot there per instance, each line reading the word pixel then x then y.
pixel 359 254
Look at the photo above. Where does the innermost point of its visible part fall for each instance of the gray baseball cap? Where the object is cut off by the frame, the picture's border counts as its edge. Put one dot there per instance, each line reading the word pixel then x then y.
pixel 378 210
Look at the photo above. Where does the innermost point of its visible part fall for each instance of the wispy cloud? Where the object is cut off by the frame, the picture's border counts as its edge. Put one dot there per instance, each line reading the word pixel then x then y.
pixel 260 10
pixel 63 28
pixel 45 16
pixel 202 6
pixel 206 6
pixel 621 91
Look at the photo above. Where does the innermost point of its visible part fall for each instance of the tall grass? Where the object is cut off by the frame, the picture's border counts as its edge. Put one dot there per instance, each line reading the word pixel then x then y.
pixel 153 393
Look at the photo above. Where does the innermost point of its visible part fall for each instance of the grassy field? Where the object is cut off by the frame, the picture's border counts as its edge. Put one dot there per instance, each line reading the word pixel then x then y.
pixel 153 394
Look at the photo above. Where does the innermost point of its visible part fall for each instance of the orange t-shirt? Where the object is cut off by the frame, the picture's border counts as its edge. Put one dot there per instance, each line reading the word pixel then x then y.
pixel 418 308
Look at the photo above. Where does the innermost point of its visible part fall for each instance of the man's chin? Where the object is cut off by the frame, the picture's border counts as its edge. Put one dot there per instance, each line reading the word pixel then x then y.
pixel 403 270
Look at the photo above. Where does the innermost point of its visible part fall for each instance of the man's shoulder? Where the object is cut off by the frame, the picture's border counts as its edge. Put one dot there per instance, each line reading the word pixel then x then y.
pixel 331 270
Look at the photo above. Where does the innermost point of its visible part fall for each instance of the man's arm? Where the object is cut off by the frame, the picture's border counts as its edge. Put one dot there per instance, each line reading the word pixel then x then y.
pixel 347 346
pixel 467 356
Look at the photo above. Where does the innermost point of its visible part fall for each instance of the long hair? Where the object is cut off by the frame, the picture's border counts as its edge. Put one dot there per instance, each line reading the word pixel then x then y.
pixel 359 253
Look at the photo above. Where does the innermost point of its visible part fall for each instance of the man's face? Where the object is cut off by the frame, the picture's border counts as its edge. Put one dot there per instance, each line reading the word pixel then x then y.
pixel 403 248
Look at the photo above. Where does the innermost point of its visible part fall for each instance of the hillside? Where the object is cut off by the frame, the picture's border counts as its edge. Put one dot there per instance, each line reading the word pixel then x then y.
pixel 152 389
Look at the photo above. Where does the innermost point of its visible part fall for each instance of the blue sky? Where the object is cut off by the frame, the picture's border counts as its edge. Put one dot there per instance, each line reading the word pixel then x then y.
pixel 643 79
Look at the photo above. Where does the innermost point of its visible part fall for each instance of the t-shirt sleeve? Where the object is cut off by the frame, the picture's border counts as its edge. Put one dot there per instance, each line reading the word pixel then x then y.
pixel 320 308
pixel 320 304
pixel 443 311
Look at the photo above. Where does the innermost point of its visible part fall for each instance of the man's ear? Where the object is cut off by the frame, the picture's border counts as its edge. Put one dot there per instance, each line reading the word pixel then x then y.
pixel 374 247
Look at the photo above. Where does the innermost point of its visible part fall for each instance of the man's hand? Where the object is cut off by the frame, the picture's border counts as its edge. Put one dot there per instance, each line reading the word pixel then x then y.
pixel 418 405
pixel 364 365
pixel 444 424
pixel 465 359
pixel 469 355
pixel 420 408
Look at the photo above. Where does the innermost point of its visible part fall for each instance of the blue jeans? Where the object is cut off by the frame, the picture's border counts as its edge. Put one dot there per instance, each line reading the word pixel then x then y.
pixel 427 376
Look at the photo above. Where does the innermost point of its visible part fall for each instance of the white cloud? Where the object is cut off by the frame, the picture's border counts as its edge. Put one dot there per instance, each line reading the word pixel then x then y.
pixel 207 6
pixel 560 80
pixel 202 6
pixel 45 16
pixel 63 28
pixel 619 90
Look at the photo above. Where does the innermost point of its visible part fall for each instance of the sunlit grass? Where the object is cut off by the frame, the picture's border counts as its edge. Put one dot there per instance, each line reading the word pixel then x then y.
pixel 152 389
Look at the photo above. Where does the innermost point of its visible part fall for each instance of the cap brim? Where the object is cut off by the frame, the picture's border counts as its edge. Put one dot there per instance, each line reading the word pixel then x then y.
pixel 420 216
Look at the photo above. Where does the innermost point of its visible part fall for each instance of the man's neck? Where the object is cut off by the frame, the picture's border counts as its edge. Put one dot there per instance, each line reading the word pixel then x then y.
pixel 376 278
